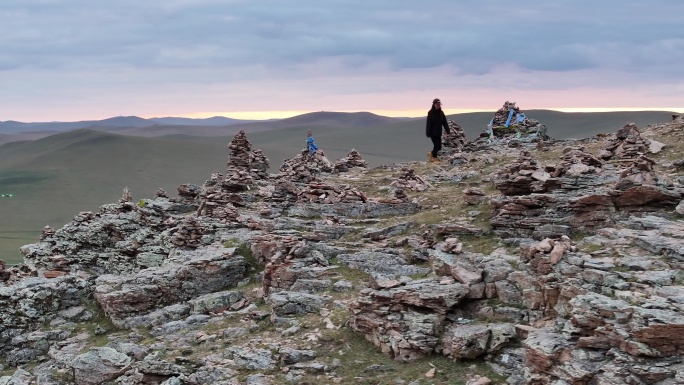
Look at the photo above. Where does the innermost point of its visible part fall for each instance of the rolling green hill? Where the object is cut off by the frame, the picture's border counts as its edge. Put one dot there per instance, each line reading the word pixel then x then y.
pixel 55 177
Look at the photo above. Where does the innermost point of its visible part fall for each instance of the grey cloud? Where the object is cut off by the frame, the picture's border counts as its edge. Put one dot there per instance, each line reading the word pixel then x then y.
pixel 471 36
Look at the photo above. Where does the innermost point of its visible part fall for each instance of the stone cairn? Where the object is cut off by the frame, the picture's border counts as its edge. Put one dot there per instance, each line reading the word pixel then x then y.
pixel 522 177
pixel 351 161
pixel 302 168
pixel 280 191
pixel 526 127
pixel 238 172
pixel 161 193
pixel 188 233
pixel 398 196
pixel 628 144
pixel 47 232
pixel 259 164
pixel 456 139
pixel 4 273
pixel 318 192
pixel 409 180
pixel 640 172
pixel 189 192
pixel 126 196
pixel 216 202
pixel 577 161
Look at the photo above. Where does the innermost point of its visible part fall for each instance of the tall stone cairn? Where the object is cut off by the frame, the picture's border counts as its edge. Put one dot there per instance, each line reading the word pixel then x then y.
pixel 351 161
pixel 238 172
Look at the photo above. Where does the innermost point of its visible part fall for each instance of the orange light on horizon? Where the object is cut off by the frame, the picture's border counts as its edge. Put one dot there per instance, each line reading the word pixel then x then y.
pixel 407 113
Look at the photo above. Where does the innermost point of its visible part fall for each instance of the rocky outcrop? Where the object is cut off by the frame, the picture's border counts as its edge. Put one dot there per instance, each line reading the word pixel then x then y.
pixel 184 276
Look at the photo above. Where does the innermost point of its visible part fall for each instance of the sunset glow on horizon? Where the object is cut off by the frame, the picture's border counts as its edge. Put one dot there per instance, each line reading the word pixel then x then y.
pixel 266 115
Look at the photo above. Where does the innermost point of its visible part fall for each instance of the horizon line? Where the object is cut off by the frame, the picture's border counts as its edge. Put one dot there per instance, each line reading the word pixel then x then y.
pixel 414 113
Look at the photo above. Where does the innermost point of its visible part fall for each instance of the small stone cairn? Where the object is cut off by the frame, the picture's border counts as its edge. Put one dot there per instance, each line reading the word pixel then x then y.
pixel 259 164
pixel 303 168
pixel 628 144
pixel 319 192
pixel 522 177
pixel 351 161
pixel 456 139
pixel 126 196
pixel 577 161
pixel 398 196
pixel 409 180
pixel 640 172
pixel 188 233
pixel 47 232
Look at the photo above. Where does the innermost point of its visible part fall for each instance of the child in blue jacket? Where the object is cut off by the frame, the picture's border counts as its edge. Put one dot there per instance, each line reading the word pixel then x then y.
pixel 313 149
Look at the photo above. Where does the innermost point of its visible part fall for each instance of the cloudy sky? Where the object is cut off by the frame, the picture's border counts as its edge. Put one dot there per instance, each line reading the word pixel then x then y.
pixel 93 59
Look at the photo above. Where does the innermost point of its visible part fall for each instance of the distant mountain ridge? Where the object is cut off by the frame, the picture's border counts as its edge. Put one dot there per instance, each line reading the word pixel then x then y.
pixel 561 125
pixel 12 126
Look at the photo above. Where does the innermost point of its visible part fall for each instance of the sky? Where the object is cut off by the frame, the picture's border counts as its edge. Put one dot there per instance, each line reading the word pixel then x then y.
pixel 68 60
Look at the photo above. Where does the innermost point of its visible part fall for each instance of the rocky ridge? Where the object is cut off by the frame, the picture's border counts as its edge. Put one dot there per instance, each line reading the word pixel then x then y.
pixel 518 262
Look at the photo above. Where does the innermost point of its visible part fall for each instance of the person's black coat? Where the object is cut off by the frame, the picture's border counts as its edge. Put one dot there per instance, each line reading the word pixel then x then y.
pixel 435 121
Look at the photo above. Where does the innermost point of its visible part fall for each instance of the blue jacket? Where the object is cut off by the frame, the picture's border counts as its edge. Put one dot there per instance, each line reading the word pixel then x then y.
pixel 311 146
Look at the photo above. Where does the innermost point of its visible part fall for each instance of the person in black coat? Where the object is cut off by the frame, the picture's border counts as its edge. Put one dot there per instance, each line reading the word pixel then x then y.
pixel 433 128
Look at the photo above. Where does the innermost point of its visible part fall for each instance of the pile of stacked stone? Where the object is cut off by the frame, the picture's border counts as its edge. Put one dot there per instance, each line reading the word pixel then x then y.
pixel 628 144
pixel 259 163
pixel 409 180
pixel 188 192
pixel 577 161
pixel 161 193
pixel 281 190
pixel 519 123
pixel 126 196
pixel 302 168
pixel 522 177
pixel 47 232
pixel 238 172
pixel 456 138
pixel 318 192
pixel 4 273
pixel 351 161
pixel 217 202
pixel 639 172
pixel 188 233
pixel 398 196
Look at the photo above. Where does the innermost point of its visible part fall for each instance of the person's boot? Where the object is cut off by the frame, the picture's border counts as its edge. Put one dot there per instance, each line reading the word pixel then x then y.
pixel 430 157
pixel 434 160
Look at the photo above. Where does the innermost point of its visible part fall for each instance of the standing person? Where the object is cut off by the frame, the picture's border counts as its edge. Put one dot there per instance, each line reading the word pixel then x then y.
pixel 314 150
pixel 433 129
